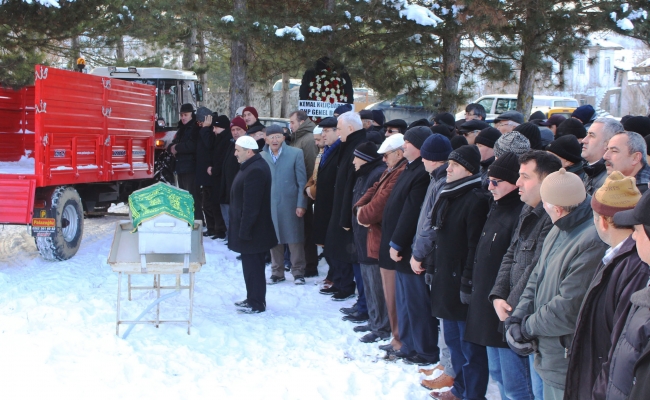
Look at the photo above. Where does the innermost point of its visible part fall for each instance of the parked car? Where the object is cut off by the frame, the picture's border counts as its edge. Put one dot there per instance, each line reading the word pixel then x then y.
pixel 496 104
pixel 268 121
pixel 403 107
pixel 293 83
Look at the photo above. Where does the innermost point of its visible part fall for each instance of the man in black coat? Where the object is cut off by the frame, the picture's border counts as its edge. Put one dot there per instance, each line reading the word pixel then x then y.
pixel 251 230
pixel 399 224
pixel 482 324
pixel 459 216
pixel 204 149
pixel 230 168
pixel 222 141
pixel 339 241
pixel 371 304
pixel 183 148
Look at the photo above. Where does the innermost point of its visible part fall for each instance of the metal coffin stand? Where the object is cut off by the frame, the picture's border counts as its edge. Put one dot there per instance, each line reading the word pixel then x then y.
pixel 125 258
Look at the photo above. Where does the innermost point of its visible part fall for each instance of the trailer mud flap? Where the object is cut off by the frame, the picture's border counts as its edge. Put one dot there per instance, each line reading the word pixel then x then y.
pixel 16 200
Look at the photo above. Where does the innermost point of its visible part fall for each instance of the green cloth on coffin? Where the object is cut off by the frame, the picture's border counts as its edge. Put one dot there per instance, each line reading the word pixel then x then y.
pixel 161 198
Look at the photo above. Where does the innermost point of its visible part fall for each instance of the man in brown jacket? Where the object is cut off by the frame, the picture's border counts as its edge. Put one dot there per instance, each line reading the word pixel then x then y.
pixel 370 209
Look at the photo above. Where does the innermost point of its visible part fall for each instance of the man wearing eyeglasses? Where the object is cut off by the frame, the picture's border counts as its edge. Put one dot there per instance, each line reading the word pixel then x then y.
pixel 395 126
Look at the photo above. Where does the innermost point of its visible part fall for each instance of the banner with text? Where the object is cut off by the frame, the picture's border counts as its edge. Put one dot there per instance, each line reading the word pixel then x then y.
pixel 320 109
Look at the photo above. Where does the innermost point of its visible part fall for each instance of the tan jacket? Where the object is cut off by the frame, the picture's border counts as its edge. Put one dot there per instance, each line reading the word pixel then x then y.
pixel 311 183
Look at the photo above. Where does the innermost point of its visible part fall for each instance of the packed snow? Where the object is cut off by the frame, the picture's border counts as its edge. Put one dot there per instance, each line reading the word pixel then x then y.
pixel 23 166
pixel 57 334
pixel 421 15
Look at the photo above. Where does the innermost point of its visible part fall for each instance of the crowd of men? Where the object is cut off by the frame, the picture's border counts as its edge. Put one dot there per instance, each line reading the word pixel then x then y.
pixel 517 251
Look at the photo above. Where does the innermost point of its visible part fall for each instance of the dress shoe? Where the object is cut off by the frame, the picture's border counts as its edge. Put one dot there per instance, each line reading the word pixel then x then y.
pixel 448 395
pixel 361 328
pixel 242 304
pixel 249 311
pixel 440 382
pixel 218 235
pixel 429 372
pixel 349 310
pixel 372 338
pixel 416 360
pixel 356 317
pixel 387 347
pixel 299 280
pixel 209 233
pixel 341 296
pixel 329 291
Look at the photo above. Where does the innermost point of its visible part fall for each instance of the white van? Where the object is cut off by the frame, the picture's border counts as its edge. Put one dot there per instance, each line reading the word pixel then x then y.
pixel 496 104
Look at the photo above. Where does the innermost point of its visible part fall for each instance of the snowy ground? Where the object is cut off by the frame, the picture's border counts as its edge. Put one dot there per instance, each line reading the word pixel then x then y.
pixel 57 335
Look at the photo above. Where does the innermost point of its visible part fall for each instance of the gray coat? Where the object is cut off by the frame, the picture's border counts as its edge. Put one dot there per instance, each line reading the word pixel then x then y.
pixel 552 298
pixel 289 179
pixel 426 234
pixel 522 255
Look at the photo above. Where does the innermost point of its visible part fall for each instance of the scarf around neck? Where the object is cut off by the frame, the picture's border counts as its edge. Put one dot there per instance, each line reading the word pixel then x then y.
pixel 449 192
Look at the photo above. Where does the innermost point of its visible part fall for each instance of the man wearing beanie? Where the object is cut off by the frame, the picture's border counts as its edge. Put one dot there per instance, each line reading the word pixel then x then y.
pixel 585 114
pixel 545 318
pixel 250 117
pixel 458 217
pixel 594 146
pixel 435 152
pixel 638 124
pixel 458 141
pixel 606 305
pixel 371 304
pixel 568 150
pixel 485 142
pixel 513 142
pixel 571 126
pixel 482 324
pixel 519 261
pixel 288 204
pixel 531 131
pixel 339 240
pixel 370 211
pixel 399 223
pixel 626 153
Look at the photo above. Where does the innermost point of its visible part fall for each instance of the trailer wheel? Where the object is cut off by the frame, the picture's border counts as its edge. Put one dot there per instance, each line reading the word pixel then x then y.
pixel 68 214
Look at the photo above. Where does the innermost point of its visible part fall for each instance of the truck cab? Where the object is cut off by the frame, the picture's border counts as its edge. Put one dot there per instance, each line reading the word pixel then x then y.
pixel 173 88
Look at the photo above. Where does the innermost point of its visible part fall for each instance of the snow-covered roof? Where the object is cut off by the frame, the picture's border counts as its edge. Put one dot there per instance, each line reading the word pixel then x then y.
pixel 643 64
pixel 605 44
pixel 148 73
pixel 623 65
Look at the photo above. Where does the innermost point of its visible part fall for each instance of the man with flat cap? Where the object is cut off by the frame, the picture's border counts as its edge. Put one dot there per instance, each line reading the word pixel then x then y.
pixel 288 204
pixel 251 230
pixel 470 129
pixel 507 121
pixel 395 126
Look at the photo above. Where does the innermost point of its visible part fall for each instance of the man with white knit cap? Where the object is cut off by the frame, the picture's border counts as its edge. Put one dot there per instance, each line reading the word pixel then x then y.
pixel 545 318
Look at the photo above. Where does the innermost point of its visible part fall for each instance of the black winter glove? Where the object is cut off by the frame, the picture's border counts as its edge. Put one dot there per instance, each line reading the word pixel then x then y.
pixel 465 298
pixel 428 279
pixel 523 349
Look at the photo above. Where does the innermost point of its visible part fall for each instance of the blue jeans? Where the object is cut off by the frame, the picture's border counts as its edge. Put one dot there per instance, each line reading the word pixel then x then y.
pixel 362 306
pixel 511 372
pixel 536 380
pixel 470 363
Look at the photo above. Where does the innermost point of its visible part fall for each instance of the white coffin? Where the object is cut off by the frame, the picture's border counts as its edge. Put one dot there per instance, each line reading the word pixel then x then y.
pixel 165 234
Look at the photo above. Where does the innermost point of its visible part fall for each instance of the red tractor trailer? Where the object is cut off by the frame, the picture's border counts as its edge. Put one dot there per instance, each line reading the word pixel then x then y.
pixel 69 144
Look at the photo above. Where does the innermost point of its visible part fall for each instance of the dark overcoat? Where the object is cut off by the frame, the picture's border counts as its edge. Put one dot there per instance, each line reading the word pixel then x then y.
pixel 326 178
pixel 400 218
pixel 454 252
pixel 251 227
pixel 339 242
pixel 482 320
